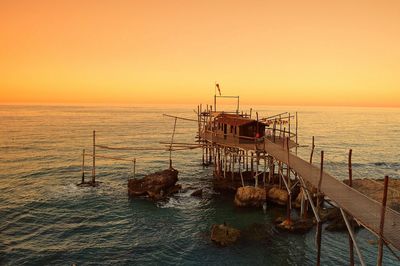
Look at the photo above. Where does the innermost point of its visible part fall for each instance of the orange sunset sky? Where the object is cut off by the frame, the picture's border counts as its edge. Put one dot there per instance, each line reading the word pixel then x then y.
pixel 268 52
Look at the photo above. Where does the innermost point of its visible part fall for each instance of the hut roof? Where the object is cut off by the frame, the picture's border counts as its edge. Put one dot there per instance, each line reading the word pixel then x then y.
pixel 234 120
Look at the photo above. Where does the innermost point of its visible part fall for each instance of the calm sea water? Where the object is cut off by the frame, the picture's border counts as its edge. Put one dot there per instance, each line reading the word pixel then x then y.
pixel 46 219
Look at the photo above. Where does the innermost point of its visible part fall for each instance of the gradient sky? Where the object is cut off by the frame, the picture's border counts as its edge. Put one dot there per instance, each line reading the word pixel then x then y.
pixel 268 52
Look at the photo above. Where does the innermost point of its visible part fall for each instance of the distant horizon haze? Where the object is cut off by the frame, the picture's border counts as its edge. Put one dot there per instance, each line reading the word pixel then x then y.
pixel 305 53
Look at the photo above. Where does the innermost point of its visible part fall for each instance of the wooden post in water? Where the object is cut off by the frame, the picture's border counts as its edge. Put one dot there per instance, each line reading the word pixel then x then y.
pixel 319 223
pixel 83 166
pixel 320 180
pixel 351 244
pixel 289 203
pixel 382 223
pixel 94 159
pixel 319 232
pixel 134 168
pixel 312 150
pixel 296 132
pixel 206 152
pixel 170 146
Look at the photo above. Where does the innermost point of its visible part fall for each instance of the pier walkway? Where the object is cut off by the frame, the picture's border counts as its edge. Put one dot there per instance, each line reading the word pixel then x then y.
pixel 364 209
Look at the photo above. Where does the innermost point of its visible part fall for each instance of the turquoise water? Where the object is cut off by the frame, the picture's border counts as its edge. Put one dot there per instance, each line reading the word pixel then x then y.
pixel 46 219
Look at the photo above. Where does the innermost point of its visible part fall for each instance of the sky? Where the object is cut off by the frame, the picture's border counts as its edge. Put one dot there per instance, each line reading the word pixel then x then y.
pixel 324 53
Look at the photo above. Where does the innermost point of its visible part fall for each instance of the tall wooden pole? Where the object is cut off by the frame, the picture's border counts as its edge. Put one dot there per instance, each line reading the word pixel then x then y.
pixel 83 166
pixel 319 223
pixel 296 132
pixel 170 146
pixel 134 168
pixel 312 150
pixel 382 223
pixel 94 159
pixel 289 203
pixel 319 232
pixel 320 180
pixel 351 244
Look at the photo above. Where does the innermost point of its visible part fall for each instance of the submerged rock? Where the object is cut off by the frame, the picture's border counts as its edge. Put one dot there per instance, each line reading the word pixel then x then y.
pixel 296 226
pixel 224 235
pixel 197 193
pixel 250 197
pixel 156 186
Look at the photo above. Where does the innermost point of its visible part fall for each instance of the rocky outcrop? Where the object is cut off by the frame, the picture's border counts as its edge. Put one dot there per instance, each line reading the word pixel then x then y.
pixel 295 226
pixel 156 186
pixel 250 197
pixel 277 195
pixel 224 235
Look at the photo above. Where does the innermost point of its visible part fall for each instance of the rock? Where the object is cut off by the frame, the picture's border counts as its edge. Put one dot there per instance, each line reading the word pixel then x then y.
pixel 296 226
pixel 338 224
pixel 277 195
pixel 197 193
pixel 224 235
pixel 156 186
pixel 250 197
pixel 329 214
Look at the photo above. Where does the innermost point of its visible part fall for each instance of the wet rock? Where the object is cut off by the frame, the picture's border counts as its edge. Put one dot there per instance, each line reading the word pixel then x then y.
pixel 156 186
pixel 197 193
pixel 224 235
pixel 338 225
pixel 278 196
pixel 250 197
pixel 329 214
pixel 296 226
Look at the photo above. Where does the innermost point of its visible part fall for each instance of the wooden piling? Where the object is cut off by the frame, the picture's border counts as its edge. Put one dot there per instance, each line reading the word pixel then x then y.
pixel 319 232
pixel 170 147
pixel 382 223
pixel 134 168
pixel 351 244
pixel 83 166
pixel 296 132
pixel 289 203
pixel 94 159
pixel 321 171
pixel 312 150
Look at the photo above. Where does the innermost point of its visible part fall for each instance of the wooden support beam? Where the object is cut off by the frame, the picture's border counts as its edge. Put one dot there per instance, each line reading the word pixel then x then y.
pixel 351 244
pixel 382 223
pixel 351 233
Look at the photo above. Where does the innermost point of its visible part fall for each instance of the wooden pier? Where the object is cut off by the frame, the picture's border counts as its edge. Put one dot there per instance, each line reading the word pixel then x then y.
pixel 226 140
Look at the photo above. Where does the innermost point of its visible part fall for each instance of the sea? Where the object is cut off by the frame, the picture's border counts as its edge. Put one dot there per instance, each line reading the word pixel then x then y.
pixel 45 219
